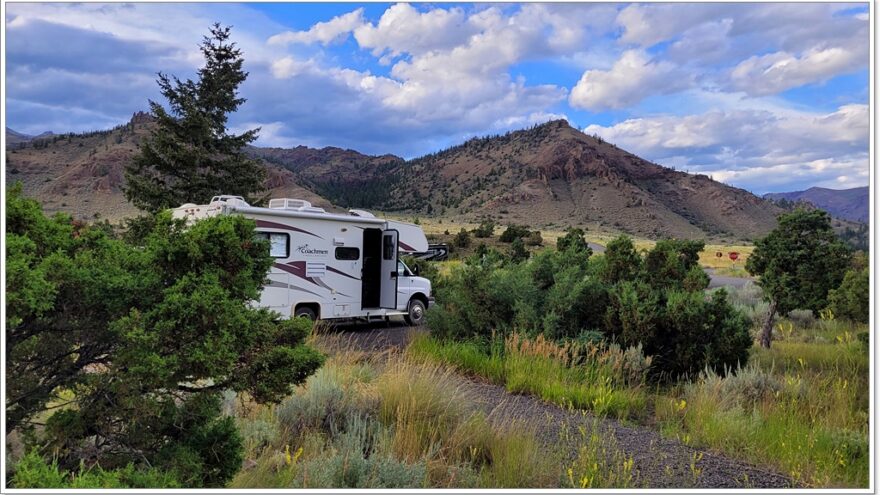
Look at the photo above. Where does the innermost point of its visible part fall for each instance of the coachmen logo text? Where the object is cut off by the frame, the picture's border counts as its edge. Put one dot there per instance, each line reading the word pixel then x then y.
pixel 305 249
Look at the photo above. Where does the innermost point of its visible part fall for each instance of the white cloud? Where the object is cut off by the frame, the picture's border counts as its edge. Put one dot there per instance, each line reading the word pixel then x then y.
pixel 632 78
pixel 334 30
pixel 779 71
pixel 403 29
pixel 648 24
pixel 452 70
pixel 753 148
pixel 287 67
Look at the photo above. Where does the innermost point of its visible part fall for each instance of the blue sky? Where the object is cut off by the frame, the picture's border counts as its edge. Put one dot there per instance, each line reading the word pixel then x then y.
pixel 768 97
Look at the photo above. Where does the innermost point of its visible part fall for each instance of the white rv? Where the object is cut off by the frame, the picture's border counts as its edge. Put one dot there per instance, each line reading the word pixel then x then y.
pixel 331 266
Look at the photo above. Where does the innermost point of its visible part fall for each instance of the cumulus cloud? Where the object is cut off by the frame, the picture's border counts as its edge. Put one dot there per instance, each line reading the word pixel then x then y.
pixel 334 30
pixel 648 24
pixel 404 29
pixel 452 71
pixel 776 72
pixel 750 147
pixel 80 67
pixel 632 78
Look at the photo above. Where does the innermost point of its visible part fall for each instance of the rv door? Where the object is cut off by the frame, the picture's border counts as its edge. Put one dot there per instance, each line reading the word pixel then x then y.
pixel 388 298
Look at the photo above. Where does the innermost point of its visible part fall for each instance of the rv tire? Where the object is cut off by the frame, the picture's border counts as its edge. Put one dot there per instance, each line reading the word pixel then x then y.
pixel 415 312
pixel 305 312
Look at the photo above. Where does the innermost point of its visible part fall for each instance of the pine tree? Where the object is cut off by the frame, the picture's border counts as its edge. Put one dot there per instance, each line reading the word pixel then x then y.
pixel 189 155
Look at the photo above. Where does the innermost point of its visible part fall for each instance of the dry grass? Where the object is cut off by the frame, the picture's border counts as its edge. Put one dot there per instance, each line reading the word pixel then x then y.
pixel 386 422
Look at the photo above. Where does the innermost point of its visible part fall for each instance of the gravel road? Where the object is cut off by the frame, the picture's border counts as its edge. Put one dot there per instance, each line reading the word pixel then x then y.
pixel 724 281
pixel 658 462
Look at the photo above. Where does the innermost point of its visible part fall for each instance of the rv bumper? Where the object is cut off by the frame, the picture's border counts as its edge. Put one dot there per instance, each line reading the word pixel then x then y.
pixel 430 302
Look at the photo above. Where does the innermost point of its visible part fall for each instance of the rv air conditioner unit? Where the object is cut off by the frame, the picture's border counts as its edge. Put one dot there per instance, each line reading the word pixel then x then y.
pixel 361 213
pixel 294 204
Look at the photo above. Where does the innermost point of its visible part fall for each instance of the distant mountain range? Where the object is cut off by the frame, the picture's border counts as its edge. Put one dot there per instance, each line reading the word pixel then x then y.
pixel 850 204
pixel 13 137
pixel 551 175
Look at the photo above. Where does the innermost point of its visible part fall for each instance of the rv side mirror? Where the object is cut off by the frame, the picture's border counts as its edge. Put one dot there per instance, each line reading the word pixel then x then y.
pixel 394 274
pixel 415 270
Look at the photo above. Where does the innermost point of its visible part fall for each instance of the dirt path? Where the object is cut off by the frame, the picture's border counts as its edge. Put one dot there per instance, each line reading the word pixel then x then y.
pixel 658 462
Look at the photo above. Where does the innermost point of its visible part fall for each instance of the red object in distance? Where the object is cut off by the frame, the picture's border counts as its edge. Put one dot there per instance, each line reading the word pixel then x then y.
pixel 733 255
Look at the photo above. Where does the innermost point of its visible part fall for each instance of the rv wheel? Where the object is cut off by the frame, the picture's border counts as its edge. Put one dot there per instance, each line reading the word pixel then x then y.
pixel 415 314
pixel 305 312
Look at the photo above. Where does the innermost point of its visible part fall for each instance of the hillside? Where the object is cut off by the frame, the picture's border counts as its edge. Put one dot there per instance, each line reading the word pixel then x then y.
pixel 551 175
pixel 82 174
pixel 345 177
pixel 850 204
pixel 554 174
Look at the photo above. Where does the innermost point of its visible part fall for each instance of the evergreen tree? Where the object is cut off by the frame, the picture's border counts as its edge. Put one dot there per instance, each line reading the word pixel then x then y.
pixel 799 262
pixel 189 155
pixel 138 341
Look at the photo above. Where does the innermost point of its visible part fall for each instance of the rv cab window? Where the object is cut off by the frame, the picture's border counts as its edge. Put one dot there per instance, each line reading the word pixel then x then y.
pixel 403 269
pixel 279 243
pixel 348 253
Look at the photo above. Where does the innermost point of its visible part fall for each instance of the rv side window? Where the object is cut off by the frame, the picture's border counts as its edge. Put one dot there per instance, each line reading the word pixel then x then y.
pixel 279 243
pixel 388 247
pixel 348 253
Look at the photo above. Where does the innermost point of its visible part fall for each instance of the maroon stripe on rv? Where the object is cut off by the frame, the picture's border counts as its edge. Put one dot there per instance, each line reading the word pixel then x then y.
pixel 297 270
pixel 405 246
pixel 276 225
pixel 334 270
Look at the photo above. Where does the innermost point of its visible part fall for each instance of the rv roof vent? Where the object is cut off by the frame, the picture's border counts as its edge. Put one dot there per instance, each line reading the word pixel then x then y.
pixel 294 204
pixel 229 200
pixel 361 213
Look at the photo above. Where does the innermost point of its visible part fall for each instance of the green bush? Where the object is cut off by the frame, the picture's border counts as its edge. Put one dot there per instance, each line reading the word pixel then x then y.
pixel 514 232
pixel 658 302
pixel 361 458
pixel 518 251
pixel 534 239
pixel 573 239
pixel 682 330
pixel 462 239
pixel 32 471
pixel 852 299
pixel 620 261
pixel 486 229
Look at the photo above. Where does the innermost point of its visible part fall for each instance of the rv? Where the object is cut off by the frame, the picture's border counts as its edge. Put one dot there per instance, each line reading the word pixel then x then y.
pixel 331 266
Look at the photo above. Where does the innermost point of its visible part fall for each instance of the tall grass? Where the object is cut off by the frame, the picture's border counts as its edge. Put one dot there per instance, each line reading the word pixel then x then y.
pixel 364 422
pixel 800 406
pixel 603 379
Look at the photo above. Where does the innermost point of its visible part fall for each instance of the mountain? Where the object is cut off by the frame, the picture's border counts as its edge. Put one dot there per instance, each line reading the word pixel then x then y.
pixel 13 137
pixel 345 177
pixel 555 175
pixel 850 204
pixel 83 174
